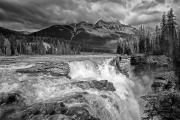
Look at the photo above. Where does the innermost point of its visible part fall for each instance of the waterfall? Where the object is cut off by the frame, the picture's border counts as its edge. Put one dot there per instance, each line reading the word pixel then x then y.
pixel 123 97
pixel 94 88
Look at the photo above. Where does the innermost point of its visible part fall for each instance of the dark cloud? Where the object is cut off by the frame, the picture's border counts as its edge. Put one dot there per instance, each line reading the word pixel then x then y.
pixel 37 14
pixel 176 1
pixel 161 1
pixel 25 14
pixel 144 5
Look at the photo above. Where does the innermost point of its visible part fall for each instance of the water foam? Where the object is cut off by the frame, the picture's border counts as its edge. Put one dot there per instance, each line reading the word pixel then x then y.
pixel 88 70
pixel 118 105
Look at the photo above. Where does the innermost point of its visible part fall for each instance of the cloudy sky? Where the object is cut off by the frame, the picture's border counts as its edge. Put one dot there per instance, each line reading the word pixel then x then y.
pixel 31 15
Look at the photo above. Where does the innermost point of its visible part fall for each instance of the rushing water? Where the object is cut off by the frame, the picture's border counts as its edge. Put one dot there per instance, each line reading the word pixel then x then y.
pixel 120 104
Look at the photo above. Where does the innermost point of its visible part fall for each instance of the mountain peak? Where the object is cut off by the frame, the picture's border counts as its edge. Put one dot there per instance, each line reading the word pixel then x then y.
pixel 108 22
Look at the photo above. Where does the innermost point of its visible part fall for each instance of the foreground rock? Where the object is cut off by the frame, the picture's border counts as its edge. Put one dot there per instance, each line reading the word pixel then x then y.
pixel 57 69
pixel 12 108
pixel 164 81
pixel 73 105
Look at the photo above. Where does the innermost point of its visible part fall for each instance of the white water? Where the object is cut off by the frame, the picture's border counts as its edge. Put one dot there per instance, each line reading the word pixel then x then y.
pixel 119 105
pixel 87 70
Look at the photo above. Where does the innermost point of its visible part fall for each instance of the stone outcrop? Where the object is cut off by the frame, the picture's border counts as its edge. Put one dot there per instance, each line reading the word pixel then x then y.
pixel 94 84
pixel 164 81
pixel 14 105
pixel 57 69
pixel 138 59
pixel 13 108
pixel 161 60
pixel 121 65
pixel 141 59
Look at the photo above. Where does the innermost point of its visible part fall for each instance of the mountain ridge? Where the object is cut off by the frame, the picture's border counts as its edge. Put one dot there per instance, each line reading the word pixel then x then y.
pixel 100 35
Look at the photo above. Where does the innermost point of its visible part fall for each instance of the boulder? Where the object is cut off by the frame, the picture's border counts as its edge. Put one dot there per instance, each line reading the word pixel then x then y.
pixel 11 98
pixel 94 84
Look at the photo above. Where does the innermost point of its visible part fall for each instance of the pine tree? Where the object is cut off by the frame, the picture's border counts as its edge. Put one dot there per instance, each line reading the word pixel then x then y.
pixel 67 48
pixel 2 43
pixel 142 40
pixel 7 45
pixel 163 40
pixel 119 49
pixel 19 46
pixel 156 48
pixel 63 48
pixel 172 35
pixel 42 49
pixel 52 49
pixel 1 53
pixel 59 48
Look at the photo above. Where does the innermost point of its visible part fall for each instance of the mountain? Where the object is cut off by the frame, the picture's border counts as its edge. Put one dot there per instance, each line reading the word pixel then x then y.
pixel 59 31
pixel 116 26
pixel 25 32
pixel 7 32
pixel 101 35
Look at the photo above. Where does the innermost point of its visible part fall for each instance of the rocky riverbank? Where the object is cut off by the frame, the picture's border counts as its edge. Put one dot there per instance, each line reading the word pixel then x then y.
pixel 88 89
pixel 94 89
pixel 162 101
pixel 75 106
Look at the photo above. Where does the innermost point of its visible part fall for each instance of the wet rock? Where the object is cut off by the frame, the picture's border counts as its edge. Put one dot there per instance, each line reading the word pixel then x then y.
pixel 11 98
pixel 11 105
pixel 57 69
pixel 80 113
pixel 116 61
pixel 8 60
pixel 102 85
pixel 164 81
pixel 121 65
pixel 63 117
pixel 138 59
pixel 46 109
pixel 161 60
pixel 99 85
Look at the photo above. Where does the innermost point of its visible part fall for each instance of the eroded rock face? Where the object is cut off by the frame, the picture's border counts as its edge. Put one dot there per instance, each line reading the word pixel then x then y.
pixel 159 61
pixel 121 65
pixel 57 69
pixel 56 97
pixel 164 81
pixel 13 108
pixel 72 106
pixel 138 59
pixel 11 98
pixel 99 85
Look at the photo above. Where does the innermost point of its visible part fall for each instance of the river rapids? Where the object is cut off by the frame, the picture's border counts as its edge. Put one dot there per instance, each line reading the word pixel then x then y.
pixel 93 90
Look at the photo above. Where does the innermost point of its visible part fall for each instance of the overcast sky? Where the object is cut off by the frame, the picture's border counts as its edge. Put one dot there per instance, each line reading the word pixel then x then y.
pixel 31 15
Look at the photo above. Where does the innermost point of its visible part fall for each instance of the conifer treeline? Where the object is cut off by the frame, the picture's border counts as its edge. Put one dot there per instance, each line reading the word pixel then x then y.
pixel 163 104
pixel 163 40
pixel 15 45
